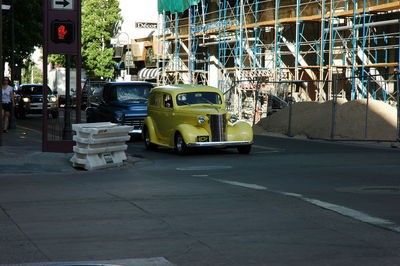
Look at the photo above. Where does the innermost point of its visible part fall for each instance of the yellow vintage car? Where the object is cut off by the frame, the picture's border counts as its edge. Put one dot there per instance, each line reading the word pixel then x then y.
pixel 188 116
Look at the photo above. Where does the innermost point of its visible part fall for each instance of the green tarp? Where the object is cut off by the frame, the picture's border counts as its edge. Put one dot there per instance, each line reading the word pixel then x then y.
pixel 175 5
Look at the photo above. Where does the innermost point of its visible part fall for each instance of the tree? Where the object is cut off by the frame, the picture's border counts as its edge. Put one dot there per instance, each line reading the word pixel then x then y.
pixel 32 73
pixel 100 21
pixel 28 23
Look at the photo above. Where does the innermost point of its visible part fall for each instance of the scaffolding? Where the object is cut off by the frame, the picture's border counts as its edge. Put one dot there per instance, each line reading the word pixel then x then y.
pixel 218 42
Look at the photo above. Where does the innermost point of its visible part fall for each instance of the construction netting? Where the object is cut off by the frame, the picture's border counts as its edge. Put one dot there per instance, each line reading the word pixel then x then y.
pixel 175 5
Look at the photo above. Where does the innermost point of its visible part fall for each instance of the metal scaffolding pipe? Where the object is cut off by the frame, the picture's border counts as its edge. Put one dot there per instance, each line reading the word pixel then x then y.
pixel 372 24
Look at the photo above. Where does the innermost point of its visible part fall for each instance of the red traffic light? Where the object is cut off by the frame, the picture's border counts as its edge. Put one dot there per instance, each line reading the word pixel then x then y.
pixel 62 31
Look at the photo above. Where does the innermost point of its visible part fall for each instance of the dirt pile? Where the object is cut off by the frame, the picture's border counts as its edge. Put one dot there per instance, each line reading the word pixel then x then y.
pixel 352 121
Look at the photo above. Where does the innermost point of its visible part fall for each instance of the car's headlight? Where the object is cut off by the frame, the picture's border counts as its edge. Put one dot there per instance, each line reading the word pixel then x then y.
pixel 119 117
pixel 53 99
pixel 201 119
pixel 233 119
pixel 26 100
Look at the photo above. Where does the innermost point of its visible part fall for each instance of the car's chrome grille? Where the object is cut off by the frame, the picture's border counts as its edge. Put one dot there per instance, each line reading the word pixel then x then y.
pixel 36 99
pixel 134 121
pixel 218 127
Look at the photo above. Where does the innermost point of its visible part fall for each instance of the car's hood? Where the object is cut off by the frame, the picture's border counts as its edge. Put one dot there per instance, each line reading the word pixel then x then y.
pixel 131 105
pixel 35 95
pixel 208 109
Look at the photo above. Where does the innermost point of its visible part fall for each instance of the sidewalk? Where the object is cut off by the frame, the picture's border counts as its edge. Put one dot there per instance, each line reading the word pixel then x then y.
pixel 21 153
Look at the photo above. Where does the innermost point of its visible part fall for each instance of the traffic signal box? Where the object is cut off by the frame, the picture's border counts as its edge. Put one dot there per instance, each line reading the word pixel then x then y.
pixel 62 31
pixel 62 26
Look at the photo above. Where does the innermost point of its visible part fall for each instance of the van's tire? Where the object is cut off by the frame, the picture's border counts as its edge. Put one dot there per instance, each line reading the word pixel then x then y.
pixel 180 146
pixel 147 142
pixel 244 149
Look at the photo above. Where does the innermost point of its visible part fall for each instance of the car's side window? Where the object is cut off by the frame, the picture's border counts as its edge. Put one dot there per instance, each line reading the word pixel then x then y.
pixel 154 100
pixel 167 99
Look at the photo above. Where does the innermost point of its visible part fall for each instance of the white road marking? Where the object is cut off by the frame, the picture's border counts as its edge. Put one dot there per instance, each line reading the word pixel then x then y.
pixel 234 183
pixel 199 175
pixel 342 210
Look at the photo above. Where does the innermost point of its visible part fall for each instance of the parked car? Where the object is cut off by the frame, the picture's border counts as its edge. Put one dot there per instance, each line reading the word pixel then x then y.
pixel 30 100
pixel 123 103
pixel 187 116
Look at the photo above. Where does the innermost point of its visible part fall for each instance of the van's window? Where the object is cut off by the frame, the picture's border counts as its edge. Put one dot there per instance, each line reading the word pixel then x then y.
pixel 198 98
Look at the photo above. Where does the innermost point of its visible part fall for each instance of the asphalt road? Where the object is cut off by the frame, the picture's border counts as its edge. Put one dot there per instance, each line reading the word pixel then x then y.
pixel 290 202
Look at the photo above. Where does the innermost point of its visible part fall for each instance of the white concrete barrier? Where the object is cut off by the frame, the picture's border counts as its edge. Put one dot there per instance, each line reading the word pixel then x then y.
pixel 100 145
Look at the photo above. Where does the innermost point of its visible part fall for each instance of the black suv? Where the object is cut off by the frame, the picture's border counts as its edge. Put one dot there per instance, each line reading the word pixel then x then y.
pixel 30 100
pixel 123 103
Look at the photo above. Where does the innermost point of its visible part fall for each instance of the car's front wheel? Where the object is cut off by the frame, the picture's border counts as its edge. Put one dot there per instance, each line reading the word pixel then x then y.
pixel 180 145
pixel 244 149
pixel 147 141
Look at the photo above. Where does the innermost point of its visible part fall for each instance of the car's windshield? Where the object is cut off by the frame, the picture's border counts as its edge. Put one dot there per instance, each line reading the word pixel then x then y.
pixel 132 93
pixel 31 90
pixel 198 98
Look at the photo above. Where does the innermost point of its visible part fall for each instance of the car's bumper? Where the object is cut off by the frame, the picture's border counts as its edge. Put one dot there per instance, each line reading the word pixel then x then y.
pixel 37 107
pixel 219 144
pixel 136 131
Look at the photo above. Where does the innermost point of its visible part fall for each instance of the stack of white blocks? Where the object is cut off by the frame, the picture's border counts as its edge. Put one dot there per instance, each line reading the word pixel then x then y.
pixel 100 145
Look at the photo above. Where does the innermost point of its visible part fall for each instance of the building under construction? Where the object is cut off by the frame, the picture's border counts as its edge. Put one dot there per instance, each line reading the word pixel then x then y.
pixel 340 48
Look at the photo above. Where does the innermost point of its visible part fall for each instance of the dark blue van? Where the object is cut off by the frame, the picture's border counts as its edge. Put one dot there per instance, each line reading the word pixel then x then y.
pixel 123 103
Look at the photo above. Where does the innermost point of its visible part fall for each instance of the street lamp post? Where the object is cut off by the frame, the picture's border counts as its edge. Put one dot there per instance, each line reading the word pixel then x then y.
pixel 128 49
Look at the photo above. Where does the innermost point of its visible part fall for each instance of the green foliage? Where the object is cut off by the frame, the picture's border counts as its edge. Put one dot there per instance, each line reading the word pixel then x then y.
pixel 56 59
pixel 28 29
pixel 32 74
pixel 100 21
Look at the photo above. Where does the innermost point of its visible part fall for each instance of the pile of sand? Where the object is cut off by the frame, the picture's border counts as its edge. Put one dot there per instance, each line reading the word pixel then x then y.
pixel 314 120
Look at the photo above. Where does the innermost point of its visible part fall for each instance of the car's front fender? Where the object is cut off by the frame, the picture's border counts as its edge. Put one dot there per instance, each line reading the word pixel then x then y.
pixel 190 132
pixel 149 125
pixel 240 131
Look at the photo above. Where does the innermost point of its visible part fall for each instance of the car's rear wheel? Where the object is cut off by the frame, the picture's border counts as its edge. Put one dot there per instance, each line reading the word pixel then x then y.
pixel 244 149
pixel 147 141
pixel 180 145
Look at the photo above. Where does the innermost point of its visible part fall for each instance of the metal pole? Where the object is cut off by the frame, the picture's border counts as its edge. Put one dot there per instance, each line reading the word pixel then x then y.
pixel 290 100
pixel 398 105
pixel 12 113
pixel 1 71
pixel 67 132
pixel 366 109
pixel 190 47
pixel 333 125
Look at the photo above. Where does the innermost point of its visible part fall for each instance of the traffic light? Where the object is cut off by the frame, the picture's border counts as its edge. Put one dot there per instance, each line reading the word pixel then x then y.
pixel 62 31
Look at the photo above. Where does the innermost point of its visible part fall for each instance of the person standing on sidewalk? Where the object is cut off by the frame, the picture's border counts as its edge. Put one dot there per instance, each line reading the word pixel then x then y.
pixel 8 102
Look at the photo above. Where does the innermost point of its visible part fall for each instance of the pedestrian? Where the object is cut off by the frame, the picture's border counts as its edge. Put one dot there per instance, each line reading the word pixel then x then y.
pixel 8 102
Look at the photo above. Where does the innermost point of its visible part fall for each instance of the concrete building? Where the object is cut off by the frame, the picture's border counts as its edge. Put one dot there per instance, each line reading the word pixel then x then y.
pixel 139 22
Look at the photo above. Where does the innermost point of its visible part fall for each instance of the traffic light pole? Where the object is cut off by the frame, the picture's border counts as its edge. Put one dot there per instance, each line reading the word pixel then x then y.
pixel 67 132
pixel 1 71
pixel 13 122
